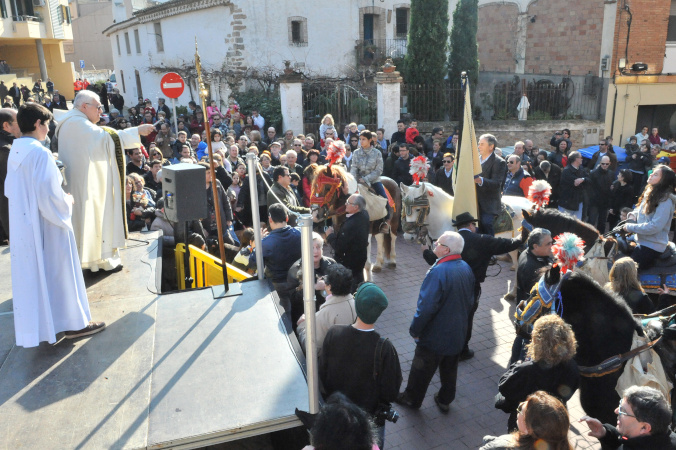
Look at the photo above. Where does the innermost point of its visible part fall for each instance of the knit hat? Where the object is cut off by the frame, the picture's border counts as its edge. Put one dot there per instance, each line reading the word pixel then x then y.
pixel 369 301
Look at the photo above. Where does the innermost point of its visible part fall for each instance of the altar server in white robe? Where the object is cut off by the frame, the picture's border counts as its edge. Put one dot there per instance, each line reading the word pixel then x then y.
pixel 47 284
pixel 95 171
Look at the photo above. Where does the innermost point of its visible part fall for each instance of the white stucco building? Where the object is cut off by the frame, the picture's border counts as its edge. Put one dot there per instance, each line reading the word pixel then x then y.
pixel 319 38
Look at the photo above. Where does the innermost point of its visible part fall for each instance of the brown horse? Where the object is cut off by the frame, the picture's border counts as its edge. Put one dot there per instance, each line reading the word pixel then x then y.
pixel 331 186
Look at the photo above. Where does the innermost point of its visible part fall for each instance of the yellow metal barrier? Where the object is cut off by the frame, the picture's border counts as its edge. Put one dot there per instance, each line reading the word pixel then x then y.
pixel 205 268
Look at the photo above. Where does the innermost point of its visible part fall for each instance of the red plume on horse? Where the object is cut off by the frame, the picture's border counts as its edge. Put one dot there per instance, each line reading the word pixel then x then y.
pixel 539 193
pixel 419 168
pixel 336 152
pixel 568 249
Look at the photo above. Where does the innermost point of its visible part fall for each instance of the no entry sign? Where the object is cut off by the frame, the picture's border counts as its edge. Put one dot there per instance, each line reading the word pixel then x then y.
pixel 172 85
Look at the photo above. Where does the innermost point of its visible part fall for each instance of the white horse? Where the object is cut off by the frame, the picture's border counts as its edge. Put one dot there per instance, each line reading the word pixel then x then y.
pixel 438 218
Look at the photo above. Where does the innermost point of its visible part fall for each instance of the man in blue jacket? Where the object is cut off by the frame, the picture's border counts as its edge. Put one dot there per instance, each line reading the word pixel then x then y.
pixel 281 248
pixel 440 324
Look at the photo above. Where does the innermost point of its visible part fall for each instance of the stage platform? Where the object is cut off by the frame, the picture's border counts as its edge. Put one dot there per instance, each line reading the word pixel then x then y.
pixel 181 370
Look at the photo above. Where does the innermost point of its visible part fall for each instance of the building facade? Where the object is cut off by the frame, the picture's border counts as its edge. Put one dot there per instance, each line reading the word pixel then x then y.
pixel 32 34
pixel 241 39
pixel 90 17
pixel 643 92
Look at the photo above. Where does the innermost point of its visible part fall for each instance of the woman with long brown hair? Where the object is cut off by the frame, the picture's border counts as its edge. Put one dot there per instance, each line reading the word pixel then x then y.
pixel 653 216
pixel 624 282
pixel 543 422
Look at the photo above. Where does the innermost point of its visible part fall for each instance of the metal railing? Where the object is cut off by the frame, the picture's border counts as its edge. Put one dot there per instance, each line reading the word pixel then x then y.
pixel 205 269
pixel 25 18
pixel 566 100
pixel 345 102
pixel 431 103
pixel 376 51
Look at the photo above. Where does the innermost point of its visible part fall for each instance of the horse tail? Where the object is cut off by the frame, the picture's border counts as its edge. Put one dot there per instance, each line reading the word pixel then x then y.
pixel 395 193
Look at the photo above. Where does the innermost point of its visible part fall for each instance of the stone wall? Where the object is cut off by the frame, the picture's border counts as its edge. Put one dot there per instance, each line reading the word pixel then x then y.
pixel 559 37
pixel 584 133
pixel 496 37
pixel 565 36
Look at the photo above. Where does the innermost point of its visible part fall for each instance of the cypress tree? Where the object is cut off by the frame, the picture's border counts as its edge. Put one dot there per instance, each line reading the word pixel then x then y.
pixel 425 62
pixel 428 35
pixel 464 54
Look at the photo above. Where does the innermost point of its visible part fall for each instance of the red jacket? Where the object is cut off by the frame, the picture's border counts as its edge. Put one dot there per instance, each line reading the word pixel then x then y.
pixel 411 134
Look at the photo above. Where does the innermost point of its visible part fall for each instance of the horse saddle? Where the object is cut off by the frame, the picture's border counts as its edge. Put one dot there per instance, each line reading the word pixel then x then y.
pixel 503 222
pixel 666 260
pixel 663 271
pixel 375 204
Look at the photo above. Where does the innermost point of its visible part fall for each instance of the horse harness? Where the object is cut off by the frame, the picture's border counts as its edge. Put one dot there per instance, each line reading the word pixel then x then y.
pixel 614 363
pixel 543 299
pixel 335 183
pixel 421 202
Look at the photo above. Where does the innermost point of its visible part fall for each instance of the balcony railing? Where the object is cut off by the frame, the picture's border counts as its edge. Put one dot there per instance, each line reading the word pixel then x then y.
pixel 27 19
pixel 376 51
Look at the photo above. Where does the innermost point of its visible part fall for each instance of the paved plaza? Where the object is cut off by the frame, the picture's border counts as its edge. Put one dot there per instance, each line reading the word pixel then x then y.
pixel 472 413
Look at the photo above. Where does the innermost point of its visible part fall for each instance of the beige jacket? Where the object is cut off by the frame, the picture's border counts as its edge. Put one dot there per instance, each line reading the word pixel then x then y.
pixel 337 310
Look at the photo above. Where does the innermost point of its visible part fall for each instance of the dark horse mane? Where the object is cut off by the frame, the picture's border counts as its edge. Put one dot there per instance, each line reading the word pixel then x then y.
pixel 604 326
pixel 558 222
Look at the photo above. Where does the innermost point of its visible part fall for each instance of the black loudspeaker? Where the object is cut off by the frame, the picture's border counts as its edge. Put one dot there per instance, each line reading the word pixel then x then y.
pixel 185 192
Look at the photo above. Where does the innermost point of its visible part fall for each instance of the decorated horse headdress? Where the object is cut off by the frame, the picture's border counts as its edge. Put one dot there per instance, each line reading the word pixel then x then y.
pixel 419 169
pixel 326 182
pixel 336 152
pixel 539 193
pixel 568 249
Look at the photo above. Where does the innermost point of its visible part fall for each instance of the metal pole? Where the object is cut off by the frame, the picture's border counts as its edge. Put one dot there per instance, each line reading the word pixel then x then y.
pixel 212 169
pixel 305 222
pixel 255 213
pixel 173 107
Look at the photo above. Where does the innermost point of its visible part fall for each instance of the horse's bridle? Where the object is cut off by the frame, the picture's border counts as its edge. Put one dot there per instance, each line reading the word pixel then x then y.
pixel 422 202
pixel 335 183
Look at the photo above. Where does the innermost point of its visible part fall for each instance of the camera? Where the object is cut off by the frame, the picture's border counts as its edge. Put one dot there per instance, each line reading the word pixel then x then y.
pixel 385 412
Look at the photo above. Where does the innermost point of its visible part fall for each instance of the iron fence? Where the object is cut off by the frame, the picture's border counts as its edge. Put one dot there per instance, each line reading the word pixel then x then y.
pixel 569 99
pixel 345 102
pixel 376 51
pixel 431 103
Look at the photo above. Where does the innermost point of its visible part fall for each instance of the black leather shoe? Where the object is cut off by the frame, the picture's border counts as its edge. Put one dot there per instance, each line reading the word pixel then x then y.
pixel 403 399
pixel 442 407
pixel 466 354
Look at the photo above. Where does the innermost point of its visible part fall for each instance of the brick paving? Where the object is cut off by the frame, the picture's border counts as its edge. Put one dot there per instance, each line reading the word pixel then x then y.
pixel 472 413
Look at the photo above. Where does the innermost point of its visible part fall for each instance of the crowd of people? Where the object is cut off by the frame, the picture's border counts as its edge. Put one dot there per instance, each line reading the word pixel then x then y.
pixel 542 374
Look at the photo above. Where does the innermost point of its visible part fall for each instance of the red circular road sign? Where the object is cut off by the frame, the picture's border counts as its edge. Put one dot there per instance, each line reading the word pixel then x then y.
pixel 172 85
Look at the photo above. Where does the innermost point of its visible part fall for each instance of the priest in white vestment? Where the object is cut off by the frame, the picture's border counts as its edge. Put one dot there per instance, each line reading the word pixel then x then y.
pixel 49 294
pixel 95 170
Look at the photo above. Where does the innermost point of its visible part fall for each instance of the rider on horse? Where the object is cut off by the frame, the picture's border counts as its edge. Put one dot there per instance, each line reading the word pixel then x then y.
pixel 366 168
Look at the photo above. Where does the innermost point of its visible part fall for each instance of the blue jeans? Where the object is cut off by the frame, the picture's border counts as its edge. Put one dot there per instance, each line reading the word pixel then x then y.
pixel 644 256
pixel 574 213
pixel 379 188
pixel 486 223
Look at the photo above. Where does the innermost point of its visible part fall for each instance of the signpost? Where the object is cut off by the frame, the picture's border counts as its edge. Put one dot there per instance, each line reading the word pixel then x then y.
pixel 172 86
pixel 82 66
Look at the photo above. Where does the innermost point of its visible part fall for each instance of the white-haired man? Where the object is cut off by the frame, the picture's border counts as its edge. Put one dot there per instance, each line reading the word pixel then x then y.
pixel 440 324
pixel 95 170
